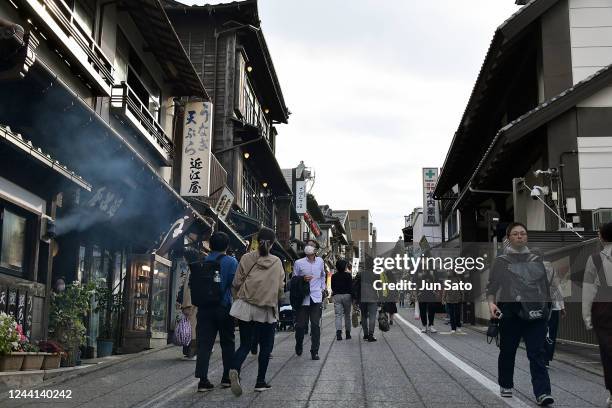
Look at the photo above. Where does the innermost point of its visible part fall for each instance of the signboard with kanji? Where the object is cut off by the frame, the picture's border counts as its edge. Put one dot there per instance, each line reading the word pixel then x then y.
pixel 300 196
pixel 430 205
pixel 224 203
pixel 195 165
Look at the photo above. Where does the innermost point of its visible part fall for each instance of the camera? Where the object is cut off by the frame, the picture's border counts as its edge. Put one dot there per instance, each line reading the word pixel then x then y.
pixel 538 191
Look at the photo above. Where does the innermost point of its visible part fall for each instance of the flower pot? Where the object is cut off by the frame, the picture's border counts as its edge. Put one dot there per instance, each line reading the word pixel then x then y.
pixel 11 362
pixel 105 347
pixel 51 361
pixel 32 361
pixel 70 357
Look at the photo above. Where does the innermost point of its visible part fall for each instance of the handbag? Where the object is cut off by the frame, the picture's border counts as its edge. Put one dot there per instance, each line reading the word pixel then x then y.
pixel 383 321
pixel 182 332
pixel 355 315
pixel 493 331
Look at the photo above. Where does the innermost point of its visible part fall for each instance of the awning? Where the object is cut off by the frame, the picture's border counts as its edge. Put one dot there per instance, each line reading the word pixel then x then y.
pixel 42 106
pixel 314 209
pixel 237 241
pixel 14 147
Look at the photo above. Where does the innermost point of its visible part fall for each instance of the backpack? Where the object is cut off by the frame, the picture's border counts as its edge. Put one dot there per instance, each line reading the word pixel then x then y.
pixel 182 332
pixel 383 321
pixel 205 282
pixel 530 287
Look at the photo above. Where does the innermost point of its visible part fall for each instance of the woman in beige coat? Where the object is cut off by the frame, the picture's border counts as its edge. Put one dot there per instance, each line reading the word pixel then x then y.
pixel 257 286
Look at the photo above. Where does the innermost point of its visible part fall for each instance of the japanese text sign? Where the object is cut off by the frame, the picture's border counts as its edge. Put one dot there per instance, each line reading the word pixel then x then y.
pixel 195 166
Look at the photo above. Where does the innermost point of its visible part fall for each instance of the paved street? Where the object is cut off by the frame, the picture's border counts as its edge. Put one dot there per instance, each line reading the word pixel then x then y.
pixel 403 369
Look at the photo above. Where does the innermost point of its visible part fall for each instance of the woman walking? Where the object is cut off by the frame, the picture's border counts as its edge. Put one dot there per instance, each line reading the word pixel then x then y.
pixel 427 299
pixel 596 302
pixel 257 286
pixel 341 286
pixel 452 299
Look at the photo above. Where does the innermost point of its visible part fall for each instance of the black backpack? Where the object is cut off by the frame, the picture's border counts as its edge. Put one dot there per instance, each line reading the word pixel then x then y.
pixel 205 282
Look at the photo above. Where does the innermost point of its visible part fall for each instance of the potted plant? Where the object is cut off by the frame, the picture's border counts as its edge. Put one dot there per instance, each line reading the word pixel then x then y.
pixel 68 309
pixel 110 304
pixel 32 359
pixel 10 356
pixel 52 352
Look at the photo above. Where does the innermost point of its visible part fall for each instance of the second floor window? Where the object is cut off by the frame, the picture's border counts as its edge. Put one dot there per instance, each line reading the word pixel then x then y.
pixel 256 200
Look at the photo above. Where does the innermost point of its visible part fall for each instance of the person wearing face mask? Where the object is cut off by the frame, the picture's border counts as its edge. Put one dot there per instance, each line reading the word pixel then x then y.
pixel 312 269
pixel 597 302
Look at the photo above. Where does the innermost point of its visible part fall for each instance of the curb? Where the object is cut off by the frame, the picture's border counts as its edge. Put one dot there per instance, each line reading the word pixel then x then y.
pixel 559 355
pixel 61 375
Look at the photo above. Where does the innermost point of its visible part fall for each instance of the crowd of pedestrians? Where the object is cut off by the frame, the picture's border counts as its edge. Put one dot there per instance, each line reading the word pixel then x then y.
pixel 523 293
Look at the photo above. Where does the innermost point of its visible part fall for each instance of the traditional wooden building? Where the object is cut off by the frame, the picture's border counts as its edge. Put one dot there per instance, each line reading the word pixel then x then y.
pixel 97 86
pixel 533 142
pixel 227 47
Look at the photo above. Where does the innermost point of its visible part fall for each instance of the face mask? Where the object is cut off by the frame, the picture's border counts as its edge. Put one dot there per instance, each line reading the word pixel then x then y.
pixel 309 250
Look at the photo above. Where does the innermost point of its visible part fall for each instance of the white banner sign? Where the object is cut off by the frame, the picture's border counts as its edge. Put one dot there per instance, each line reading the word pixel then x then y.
pixel 224 204
pixel 430 205
pixel 300 196
pixel 195 166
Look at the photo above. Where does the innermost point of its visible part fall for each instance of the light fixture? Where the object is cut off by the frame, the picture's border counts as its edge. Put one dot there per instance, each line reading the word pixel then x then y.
pixel 266 111
pixel 247 155
pixel 265 184
pixel 249 68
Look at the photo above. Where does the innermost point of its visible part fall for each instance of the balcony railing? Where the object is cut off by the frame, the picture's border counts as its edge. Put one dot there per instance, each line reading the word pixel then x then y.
pixel 78 44
pixel 253 114
pixel 126 103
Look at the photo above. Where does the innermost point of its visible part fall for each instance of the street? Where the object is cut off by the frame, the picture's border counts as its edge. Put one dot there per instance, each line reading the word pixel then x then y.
pixel 404 368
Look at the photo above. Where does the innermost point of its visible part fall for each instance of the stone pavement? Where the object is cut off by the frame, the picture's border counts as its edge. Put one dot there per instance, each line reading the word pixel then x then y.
pixel 404 369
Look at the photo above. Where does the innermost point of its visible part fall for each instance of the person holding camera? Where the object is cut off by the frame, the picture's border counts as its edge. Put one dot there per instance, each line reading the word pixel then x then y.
pixel 523 309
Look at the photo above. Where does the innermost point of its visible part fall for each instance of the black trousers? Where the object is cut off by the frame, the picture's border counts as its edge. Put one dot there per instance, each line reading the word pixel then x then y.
pixel 210 322
pixel 511 330
pixel 255 333
pixel 454 311
pixel 427 312
pixel 313 313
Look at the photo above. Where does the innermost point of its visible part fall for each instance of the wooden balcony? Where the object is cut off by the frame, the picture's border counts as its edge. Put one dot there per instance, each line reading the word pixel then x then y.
pixel 218 180
pixel 125 103
pixel 57 23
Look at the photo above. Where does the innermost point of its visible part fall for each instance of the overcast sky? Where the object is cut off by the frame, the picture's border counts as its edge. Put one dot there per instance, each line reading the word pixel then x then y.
pixel 376 90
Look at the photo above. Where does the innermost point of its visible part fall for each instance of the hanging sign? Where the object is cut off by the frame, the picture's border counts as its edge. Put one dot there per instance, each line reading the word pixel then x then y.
pixel 224 203
pixel 300 196
pixel 195 164
pixel 430 205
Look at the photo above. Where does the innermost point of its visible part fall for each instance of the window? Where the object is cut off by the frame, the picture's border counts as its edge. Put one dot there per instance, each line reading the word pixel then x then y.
pixel 364 223
pixel 13 247
pixel 256 200
pixel 353 224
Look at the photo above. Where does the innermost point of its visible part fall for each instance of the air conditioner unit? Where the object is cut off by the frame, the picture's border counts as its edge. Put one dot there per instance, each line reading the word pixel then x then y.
pixel 601 216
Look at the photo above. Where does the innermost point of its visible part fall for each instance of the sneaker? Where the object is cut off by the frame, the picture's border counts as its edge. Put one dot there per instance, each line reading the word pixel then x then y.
pixel 315 356
pixel 235 383
pixel 348 335
pixel 424 329
pixel 298 349
pixel 545 400
pixel 371 338
pixel 226 383
pixel 365 336
pixel 262 386
pixel 453 331
pixel 338 335
pixel 432 329
pixel 205 385
pixel 505 392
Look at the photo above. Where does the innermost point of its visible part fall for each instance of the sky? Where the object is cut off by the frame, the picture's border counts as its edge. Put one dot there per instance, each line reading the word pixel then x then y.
pixel 376 89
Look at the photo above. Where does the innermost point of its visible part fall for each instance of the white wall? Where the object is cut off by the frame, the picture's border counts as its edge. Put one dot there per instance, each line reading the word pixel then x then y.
pixel 595 167
pixel 591 42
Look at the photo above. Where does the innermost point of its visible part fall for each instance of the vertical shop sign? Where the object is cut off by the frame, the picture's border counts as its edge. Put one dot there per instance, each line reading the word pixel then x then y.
pixel 195 164
pixel 300 196
pixel 430 205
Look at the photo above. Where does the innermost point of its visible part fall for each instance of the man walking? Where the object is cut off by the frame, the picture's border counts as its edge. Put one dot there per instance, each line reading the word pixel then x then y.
pixel 211 283
pixel 311 267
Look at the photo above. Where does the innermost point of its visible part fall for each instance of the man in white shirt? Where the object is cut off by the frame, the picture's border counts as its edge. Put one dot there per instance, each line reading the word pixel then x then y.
pixel 312 268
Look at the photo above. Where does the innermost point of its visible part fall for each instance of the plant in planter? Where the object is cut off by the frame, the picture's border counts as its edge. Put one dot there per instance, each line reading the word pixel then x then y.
pixel 53 353
pixel 32 359
pixel 68 309
pixel 111 305
pixel 10 356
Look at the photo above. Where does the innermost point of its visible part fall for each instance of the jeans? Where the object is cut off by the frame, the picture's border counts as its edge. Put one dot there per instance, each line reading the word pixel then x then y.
pixel 454 312
pixel 551 341
pixel 427 312
pixel 305 313
pixel 511 330
pixel 210 321
pixel 368 317
pixel 262 334
pixel 342 308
